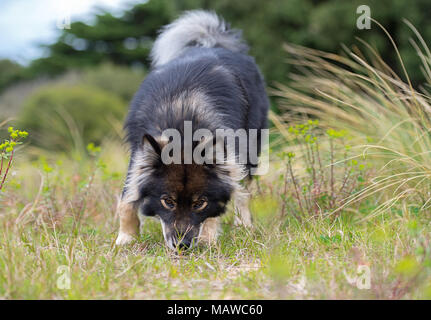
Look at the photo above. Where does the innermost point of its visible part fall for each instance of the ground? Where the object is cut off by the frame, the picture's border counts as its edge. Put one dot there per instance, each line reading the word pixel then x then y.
pixel 58 227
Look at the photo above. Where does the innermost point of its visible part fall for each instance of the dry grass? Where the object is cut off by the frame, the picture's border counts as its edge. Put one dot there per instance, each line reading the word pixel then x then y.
pixel 390 120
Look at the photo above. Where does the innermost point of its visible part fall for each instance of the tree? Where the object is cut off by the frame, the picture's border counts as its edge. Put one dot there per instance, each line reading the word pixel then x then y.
pixel 323 25
pixel 124 40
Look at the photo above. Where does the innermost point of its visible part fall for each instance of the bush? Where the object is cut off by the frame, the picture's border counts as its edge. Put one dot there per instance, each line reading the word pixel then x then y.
pixel 323 174
pixel 10 72
pixel 122 81
pixel 61 117
pixel 368 98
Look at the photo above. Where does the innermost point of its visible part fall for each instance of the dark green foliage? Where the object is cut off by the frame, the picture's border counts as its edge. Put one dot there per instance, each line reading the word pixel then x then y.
pixel 323 25
pixel 9 72
pixel 125 40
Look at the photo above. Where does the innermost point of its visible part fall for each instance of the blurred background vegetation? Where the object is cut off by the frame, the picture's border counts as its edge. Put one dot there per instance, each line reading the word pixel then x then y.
pixel 92 70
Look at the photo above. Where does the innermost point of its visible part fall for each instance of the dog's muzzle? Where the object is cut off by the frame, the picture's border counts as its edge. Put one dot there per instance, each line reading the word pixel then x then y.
pixel 179 240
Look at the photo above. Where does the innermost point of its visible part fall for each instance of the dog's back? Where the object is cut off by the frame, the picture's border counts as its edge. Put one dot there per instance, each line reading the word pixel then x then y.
pixel 202 73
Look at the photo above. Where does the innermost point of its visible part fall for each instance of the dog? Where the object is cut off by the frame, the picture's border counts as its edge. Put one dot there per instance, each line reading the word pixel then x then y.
pixel 201 75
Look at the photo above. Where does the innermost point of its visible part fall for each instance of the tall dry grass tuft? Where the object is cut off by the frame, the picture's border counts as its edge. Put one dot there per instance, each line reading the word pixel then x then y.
pixel 358 92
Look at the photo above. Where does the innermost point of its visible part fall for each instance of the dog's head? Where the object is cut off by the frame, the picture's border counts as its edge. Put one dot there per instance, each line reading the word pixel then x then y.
pixel 183 196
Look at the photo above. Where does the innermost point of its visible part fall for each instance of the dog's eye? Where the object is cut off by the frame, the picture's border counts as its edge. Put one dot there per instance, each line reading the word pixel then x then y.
pixel 168 203
pixel 200 204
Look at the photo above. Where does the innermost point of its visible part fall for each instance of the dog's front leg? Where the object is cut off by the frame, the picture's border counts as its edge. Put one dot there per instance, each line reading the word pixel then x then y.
pixel 127 209
pixel 129 223
pixel 242 210
pixel 209 230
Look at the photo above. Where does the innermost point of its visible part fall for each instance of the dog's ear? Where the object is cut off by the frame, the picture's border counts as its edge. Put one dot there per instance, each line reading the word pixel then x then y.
pixel 148 142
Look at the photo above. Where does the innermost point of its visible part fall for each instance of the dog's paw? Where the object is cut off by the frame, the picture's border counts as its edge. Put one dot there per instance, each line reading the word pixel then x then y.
pixel 209 231
pixel 240 221
pixel 124 238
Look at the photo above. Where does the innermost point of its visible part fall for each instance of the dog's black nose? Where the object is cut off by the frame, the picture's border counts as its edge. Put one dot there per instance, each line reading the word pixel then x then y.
pixel 183 245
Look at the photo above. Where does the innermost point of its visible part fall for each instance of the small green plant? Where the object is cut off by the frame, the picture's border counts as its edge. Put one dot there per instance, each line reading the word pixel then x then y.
pixel 320 179
pixel 7 150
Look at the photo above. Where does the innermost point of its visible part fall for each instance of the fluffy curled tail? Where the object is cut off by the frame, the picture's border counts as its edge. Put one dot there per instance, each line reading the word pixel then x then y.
pixel 195 28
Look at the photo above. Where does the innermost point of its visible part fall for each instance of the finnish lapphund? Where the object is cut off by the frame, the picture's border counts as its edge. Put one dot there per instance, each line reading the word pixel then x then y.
pixel 201 76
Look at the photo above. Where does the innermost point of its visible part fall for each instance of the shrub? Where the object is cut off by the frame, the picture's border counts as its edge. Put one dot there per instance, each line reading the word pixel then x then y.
pixel 61 117
pixel 365 96
pixel 10 72
pixel 122 81
pixel 323 172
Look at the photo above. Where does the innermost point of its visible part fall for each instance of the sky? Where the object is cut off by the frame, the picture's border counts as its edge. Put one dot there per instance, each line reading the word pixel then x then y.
pixel 26 24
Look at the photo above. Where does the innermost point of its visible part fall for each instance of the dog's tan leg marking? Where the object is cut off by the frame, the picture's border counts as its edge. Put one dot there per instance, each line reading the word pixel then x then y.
pixel 242 210
pixel 209 230
pixel 129 223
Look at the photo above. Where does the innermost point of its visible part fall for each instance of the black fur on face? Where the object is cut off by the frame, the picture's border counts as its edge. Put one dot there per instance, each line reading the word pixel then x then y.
pixel 183 196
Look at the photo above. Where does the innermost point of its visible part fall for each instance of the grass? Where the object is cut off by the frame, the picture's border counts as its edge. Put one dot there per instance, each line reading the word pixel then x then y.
pixel 344 212
pixel 57 220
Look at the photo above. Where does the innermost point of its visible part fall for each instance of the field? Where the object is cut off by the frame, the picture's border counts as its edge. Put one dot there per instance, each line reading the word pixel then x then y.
pixel 342 214
pixel 58 227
